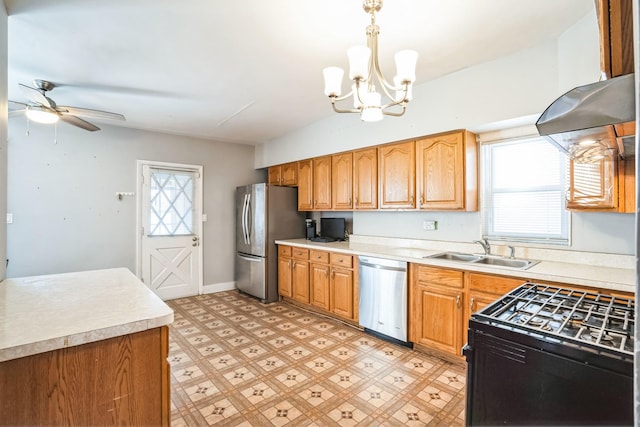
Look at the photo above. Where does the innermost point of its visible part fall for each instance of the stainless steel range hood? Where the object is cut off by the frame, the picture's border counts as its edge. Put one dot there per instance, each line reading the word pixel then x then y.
pixel 579 122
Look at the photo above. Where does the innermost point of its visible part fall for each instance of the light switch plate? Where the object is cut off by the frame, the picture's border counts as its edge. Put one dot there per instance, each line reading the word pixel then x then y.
pixel 9 218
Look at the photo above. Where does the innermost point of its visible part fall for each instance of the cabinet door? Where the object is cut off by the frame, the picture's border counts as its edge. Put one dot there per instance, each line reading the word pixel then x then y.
pixel 289 175
pixel 284 277
pixel 342 293
pixel 615 21
pixel 341 181
pixel 396 171
pixel 477 301
pixel 440 172
pixel 300 281
pixel 438 318
pixel 305 185
pixel 275 175
pixel 322 183
pixel 319 285
pixel 365 178
pixel 593 186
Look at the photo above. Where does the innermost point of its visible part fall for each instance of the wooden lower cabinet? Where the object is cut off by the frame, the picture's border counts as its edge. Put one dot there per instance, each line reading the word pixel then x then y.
pixel 116 381
pixel 327 281
pixel 436 311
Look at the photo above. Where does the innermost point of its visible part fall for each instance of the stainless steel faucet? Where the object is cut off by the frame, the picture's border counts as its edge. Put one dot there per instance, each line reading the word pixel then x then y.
pixel 485 245
pixel 512 252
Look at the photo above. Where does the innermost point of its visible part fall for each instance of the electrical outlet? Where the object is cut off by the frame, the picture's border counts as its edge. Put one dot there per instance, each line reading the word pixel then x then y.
pixel 9 218
pixel 430 225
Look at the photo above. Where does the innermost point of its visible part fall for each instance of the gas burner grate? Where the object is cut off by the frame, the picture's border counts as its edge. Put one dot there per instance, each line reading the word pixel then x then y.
pixel 597 320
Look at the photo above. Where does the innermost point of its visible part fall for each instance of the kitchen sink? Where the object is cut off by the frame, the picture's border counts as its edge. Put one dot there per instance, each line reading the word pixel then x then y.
pixel 456 256
pixel 521 264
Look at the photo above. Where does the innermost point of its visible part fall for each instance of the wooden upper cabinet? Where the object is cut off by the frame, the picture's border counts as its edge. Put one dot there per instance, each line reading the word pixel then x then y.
pixel 615 21
pixel 447 171
pixel 606 185
pixel 365 179
pixel 289 174
pixel 275 175
pixel 286 174
pixel 396 172
pixel 305 185
pixel 322 183
pixel 342 181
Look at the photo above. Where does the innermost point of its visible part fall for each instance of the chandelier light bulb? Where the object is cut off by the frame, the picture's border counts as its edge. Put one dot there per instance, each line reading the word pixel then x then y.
pixel 333 81
pixel 406 65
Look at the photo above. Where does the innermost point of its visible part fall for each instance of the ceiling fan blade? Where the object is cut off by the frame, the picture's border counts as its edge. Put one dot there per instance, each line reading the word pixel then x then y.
pixel 87 112
pixel 18 104
pixel 16 113
pixel 77 121
pixel 34 95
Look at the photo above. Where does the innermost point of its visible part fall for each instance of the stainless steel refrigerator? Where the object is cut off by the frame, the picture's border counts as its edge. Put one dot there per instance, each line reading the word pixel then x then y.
pixel 264 213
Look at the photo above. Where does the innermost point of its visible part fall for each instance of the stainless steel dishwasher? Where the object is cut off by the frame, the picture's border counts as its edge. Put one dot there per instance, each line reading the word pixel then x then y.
pixel 383 297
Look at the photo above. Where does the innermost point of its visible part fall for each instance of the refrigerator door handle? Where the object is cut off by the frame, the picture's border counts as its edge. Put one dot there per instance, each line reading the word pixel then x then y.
pixel 244 220
pixel 251 258
pixel 249 219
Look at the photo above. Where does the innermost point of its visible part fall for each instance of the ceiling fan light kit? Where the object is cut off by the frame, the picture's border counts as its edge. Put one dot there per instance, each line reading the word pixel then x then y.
pixel 39 115
pixel 364 71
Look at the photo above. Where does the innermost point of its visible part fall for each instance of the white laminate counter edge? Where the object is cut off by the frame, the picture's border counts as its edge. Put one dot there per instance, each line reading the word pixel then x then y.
pixel 44 313
pixel 616 279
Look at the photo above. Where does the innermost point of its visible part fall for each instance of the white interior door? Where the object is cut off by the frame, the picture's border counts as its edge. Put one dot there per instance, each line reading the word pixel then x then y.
pixel 170 248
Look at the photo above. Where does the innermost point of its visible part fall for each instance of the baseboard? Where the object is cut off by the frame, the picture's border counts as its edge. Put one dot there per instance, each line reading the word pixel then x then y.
pixel 218 287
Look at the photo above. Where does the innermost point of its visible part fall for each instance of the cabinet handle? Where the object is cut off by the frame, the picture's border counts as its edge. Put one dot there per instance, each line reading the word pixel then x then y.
pixel 356 201
pixel 411 200
pixel 473 301
pixel 458 301
pixel 293 264
pixel 349 201
pixel 289 264
pixel 421 199
pixel 333 273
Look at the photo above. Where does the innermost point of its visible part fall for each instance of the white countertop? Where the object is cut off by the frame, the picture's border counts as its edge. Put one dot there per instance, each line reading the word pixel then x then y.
pixel 43 313
pixel 603 271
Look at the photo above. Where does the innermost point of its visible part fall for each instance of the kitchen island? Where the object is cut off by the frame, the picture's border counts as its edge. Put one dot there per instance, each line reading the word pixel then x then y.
pixel 83 348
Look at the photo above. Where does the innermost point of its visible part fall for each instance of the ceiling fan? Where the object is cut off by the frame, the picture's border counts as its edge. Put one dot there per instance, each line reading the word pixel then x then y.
pixel 43 109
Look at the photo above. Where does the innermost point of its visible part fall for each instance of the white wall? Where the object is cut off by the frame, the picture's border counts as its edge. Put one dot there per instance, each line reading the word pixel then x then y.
pixel 67 216
pixel 480 98
pixel 3 135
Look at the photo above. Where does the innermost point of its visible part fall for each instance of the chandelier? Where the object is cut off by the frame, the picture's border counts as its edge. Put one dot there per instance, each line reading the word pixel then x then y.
pixel 368 80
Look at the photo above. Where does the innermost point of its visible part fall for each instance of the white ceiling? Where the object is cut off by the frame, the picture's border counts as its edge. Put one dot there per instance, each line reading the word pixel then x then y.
pixel 248 71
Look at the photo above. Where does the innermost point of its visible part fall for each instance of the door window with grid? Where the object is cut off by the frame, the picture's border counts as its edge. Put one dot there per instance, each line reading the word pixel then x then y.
pixel 171 202
pixel 524 192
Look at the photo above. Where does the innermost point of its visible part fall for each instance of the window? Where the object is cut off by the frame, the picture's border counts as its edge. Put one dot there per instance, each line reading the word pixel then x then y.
pixel 524 192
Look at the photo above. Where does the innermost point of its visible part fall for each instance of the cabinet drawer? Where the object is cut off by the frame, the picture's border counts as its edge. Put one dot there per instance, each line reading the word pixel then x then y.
pixel 284 250
pixel 342 260
pixel 319 256
pixel 493 284
pixel 440 276
pixel 299 253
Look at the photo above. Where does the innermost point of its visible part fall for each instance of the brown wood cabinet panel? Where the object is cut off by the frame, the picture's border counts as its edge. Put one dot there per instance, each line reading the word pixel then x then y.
pixel 342 295
pixel 285 281
pixel 305 185
pixel 117 381
pixel 322 183
pixel 491 284
pixel 300 281
pixel 275 175
pixel 593 186
pixel 615 19
pixel 289 174
pixel 320 286
pixel 396 173
pixel 438 321
pixel 341 260
pixel 440 276
pixel 446 171
pixel 284 250
pixel 342 181
pixel 319 256
pixel 300 253
pixel 365 178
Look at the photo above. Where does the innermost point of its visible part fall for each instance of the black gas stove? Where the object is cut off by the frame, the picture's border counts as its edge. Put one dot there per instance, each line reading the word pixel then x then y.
pixel 544 355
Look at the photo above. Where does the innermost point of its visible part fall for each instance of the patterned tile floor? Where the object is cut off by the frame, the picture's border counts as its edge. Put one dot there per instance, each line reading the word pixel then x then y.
pixel 237 362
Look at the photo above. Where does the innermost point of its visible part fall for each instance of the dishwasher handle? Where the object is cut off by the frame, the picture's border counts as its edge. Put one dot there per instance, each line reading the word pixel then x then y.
pixel 382 267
